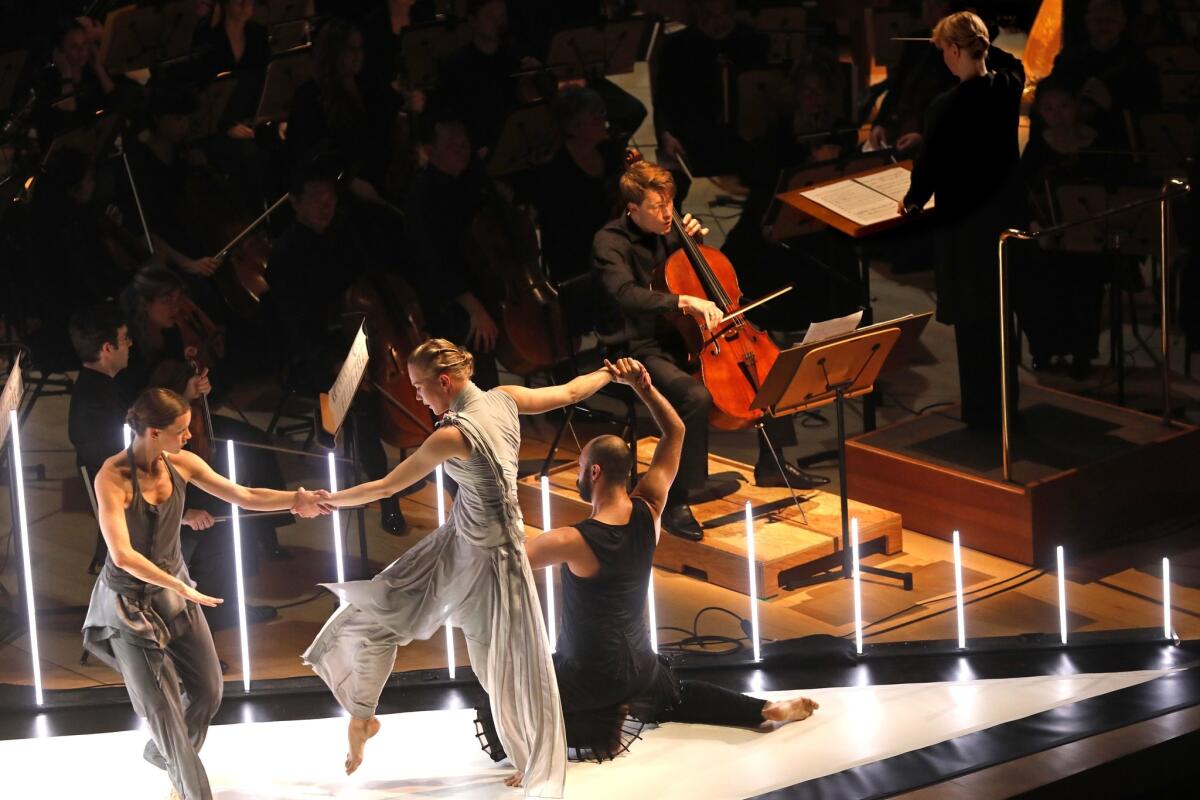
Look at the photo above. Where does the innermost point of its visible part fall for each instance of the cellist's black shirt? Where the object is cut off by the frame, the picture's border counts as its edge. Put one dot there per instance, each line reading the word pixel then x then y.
pixel 624 259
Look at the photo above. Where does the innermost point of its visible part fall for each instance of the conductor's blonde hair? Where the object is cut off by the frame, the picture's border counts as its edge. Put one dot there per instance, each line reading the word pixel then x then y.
pixel 964 29
pixel 443 357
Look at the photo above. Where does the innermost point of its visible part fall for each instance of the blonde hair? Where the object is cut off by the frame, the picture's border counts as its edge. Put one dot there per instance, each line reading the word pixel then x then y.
pixel 443 357
pixel 641 177
pixel 156 407
pixel 964 29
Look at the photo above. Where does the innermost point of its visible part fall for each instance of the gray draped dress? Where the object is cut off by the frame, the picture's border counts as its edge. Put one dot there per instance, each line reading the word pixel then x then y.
pixel 471 572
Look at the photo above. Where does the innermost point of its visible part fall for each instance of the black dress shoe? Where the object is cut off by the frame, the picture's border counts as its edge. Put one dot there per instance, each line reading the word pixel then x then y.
pixel 766 473
pixel 391 518
pixel 680 521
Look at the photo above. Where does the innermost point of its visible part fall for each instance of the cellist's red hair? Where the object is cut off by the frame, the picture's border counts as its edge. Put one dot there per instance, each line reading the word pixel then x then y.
pixel 641 177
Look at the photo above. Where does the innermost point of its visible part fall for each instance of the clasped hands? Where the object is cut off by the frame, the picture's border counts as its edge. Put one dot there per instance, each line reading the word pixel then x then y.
pixel 311 504
pixel 630 372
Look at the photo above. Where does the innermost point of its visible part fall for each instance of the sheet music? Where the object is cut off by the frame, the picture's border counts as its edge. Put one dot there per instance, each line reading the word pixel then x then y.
pixel 860 204
pixel 866 199
pixel 10 400
pixel 350 375
pixel 819 331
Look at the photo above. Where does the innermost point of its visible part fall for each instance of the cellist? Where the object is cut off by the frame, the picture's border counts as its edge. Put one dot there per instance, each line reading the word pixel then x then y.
pixel 625 253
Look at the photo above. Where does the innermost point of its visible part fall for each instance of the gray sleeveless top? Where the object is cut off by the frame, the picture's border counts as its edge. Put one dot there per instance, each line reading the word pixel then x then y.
pixel 125 606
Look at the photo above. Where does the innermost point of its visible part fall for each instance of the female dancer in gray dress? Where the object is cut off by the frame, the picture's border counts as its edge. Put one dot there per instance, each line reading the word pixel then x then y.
pixel 144 620
pixel 471 572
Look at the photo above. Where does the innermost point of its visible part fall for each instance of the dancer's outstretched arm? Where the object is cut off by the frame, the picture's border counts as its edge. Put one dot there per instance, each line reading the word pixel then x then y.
pixel 548 398
pixel 444 443
pixel 196 470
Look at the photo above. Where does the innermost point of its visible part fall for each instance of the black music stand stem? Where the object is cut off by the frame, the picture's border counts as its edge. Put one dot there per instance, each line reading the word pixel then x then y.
pixel 833 372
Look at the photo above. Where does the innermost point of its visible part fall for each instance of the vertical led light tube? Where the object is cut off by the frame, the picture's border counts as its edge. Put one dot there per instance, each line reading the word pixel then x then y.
pixel 18 479
pixel 653 612
pixel 441 518
pixel 237 566
pixel 551 633
pixel 127 433
pixel 958 594
pixel 1167 632
pixel 856 579
pixel 1062 596
pixel 336 522
pixel 750 562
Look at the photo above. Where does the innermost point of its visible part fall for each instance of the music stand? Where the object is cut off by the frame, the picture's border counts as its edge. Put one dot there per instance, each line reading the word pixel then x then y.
pixel 139 37
pixel 812 376
pixel 611 47
pixel 334 406
pixel 529 137
pixel 211 102
pixel 761 96
pixel 786 29
pixel 422 46
pixel 284 76
pixel 783 220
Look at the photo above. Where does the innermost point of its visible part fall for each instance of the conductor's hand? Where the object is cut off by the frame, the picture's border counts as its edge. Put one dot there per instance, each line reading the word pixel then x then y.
pixel 197 386
pixel 482 335
pixel 707 310
pixel 630 372
pixel 190 593
pixel 693 227
pixel 198 519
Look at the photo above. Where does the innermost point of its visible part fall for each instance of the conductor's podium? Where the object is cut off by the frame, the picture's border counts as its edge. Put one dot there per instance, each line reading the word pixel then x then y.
pixel 781 540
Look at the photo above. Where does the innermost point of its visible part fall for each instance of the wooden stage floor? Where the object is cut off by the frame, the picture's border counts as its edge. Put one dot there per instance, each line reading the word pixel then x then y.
pixel 1114 589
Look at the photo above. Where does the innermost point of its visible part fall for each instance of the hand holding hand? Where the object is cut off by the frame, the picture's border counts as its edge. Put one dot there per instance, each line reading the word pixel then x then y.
pixel 308 504
pixel 628 371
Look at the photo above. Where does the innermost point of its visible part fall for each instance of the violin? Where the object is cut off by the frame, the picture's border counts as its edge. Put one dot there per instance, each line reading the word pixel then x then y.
pixel 204 346
pixel 735 358
pixel 395 327
pixel 505 257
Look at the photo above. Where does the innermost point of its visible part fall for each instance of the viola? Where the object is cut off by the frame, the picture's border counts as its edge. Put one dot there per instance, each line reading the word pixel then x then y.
pixel 505 257
pixel 204 344
pixel 735 358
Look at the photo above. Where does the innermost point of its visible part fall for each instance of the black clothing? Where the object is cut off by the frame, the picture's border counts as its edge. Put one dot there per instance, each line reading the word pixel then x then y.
pixel 919 77
pixel 972 127
pixel 689 98
pixel 360 133
pixel 49 117
pixel 250 70
pixel 94 419
pixel 477 87
pixel 1129 76
pixel 162 190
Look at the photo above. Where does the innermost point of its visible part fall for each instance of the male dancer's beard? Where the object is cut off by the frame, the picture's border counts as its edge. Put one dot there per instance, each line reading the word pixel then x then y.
pixel 584 484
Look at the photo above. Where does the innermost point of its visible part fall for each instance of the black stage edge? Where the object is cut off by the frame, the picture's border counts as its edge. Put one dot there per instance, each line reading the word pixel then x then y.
pixel 107 709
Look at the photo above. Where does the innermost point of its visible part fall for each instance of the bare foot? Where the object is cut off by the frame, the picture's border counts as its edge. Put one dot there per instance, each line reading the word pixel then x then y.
pixel 358 732
pixel 789 710
pixel 514 780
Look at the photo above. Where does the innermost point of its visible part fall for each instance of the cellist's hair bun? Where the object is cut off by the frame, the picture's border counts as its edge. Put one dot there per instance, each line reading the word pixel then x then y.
pixel 443 357
pixel 156 407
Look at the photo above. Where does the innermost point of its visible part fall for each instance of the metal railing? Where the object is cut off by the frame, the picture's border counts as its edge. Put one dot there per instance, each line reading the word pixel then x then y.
pixel 1172 189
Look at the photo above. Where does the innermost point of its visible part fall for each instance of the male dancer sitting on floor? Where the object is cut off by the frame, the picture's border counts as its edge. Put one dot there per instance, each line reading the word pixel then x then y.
pixel 610 681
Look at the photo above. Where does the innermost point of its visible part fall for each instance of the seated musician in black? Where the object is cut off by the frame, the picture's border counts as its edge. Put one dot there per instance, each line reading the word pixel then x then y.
pixel 442 202
pixel 610 680
pixel 312 264
pixel 71 88
pixel 625 253
pixel 96 415
pixel 688 88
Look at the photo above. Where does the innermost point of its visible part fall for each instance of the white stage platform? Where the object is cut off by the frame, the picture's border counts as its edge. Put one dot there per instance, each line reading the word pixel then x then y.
pixel 434 754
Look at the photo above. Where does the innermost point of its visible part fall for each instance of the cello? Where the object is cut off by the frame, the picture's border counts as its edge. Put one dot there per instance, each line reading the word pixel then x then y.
pixel 733 359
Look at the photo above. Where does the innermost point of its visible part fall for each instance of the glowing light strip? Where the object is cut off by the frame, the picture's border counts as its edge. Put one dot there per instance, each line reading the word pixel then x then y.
pixel 237 565
pixel 26 562
pixel 441 512
pixel 958 594
pixel 1167 632
pixel 753 582
pixel 128 434
pixel 336 521
pixel 856 579
pixel 653 612
pixel 1062 597
pixel 551 633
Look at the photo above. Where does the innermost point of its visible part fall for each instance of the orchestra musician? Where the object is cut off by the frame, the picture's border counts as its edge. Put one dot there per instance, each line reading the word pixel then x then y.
pixel 625 253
